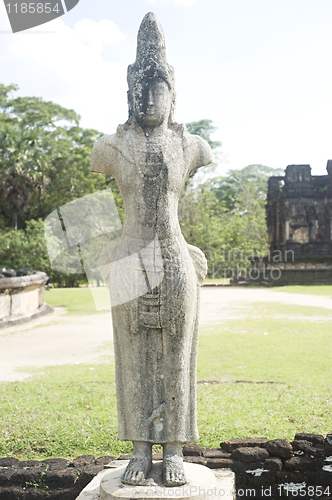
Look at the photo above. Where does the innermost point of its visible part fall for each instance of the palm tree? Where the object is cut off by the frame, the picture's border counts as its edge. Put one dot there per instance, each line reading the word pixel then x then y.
pixel 22 166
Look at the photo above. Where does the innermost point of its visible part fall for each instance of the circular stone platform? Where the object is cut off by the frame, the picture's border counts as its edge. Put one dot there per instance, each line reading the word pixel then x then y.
pixel 201 485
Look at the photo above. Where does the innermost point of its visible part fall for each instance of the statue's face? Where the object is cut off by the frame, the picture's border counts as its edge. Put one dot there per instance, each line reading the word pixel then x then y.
pixel 152 102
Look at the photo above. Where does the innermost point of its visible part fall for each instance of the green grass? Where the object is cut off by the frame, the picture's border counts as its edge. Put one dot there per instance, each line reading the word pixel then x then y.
pixel 311 289
pixel 77 301
pixel 67 411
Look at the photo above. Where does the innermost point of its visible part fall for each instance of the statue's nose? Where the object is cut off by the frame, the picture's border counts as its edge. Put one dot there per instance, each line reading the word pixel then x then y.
pixel 150 98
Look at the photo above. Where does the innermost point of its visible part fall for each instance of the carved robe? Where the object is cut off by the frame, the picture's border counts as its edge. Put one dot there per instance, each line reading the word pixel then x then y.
pixel 154 279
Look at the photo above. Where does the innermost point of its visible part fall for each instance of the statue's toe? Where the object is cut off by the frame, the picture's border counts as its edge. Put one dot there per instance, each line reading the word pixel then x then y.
pixel 136 471
pixel 174 474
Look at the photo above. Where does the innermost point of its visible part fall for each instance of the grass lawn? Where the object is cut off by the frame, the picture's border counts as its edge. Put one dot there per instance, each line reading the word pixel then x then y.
pixel 311 289
pixel 266 373
pixel 76 300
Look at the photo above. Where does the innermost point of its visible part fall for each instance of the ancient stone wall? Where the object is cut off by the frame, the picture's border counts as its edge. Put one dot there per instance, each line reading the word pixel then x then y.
pixel 263 469
pixel 299 211
pixel 299 223
pixel 22 297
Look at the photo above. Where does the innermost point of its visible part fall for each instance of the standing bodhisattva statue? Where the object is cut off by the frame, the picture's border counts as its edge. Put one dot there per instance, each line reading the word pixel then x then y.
pixel 153 274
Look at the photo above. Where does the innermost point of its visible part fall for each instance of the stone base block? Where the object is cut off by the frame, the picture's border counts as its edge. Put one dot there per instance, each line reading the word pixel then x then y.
pixel 203 484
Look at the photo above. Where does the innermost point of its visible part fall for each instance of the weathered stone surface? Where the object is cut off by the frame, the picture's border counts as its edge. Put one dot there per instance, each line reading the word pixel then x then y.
pixel 314 438
pixel 153 275
pixel 61 478
pixel 300 463
pixel 320 478
pixel 291 477
pixel 56 463
pixel 301 445
pixel 327 450
pixel 124 457
pixel 251 485
pixel 216 453
pixel 42 494
pixel 250 454
pixel 221 463
pixel 29 474
pixel 232 444
pixel 279 448
pixel 39 494
pixel 244 467
pixel 194 460
pixel 302 201
pixel 5 475
pixel 315 452
pixel 199 477
pixel 11 493
pixel 88 474
pixel 20 297
pixel 256 484
pixel 8 273
pixel 8 461
pixel 28 463
pixel 103 460
pixel 273 464
pixel 193 449
pixel 83 462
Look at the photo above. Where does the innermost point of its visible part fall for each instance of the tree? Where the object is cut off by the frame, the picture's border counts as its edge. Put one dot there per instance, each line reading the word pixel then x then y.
pixel 225 218
pixel 204 129
pixel 45 157
pixel 22 165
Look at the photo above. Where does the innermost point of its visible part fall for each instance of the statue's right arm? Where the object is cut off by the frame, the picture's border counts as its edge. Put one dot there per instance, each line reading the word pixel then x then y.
pixel 103 156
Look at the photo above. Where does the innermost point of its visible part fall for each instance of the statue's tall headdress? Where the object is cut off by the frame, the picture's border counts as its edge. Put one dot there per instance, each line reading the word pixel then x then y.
pixel 150 57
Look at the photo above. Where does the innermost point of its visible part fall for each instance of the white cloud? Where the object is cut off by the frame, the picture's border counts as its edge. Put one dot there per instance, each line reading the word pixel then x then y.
pixel 103 32
pixel 68 67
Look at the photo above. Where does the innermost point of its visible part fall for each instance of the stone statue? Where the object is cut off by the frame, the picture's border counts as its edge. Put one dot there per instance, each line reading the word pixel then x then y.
pixel 155 321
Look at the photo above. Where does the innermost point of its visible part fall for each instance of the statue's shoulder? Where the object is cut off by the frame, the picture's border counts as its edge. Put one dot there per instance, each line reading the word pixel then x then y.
pixel 202 153
pixel 103 155
pixel 199 150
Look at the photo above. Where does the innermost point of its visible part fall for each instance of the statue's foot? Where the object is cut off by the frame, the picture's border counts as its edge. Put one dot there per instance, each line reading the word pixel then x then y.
pixel 173 470
pixel 139 465
pixel 136 471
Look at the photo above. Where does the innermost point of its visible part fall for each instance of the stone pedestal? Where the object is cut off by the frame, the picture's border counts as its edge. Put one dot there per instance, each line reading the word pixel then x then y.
pixel 203 484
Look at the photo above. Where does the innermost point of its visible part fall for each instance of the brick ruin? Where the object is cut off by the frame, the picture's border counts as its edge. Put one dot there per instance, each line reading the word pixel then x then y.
pixel 272 469
pixel 299 211
pixel 299 223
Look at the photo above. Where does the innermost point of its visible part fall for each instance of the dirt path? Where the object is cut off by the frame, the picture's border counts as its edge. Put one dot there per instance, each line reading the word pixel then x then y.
pixel 220 303
pixel 58 339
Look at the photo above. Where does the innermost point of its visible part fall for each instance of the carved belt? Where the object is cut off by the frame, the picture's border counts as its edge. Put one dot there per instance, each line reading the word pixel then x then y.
pixel 149 310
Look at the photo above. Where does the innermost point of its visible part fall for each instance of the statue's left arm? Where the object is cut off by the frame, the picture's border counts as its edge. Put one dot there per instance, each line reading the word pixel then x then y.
pixel 103 156
pixel 202 153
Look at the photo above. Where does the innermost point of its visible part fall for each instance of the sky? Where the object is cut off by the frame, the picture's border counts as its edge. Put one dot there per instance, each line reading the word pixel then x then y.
pixel 261 70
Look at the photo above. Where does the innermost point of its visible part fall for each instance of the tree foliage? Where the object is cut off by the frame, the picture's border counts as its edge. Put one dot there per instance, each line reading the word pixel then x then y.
pixel 204 128
pixel 225 218
pixel 45 157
